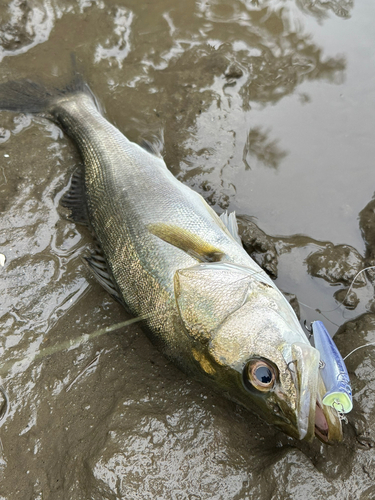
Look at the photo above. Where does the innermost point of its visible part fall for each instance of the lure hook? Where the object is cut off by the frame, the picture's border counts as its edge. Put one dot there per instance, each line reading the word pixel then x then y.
pixel 337 405
pixel 308 328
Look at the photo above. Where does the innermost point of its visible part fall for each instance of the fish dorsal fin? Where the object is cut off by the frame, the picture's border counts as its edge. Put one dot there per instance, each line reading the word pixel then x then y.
pixel 75 200
pixel 150 148
pixel 187 241
pixel 230 222
pixel 207 294
pixel 98 266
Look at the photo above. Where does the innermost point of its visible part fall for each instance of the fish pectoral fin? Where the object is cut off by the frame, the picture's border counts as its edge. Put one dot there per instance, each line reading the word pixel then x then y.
pixel 75 200
pixel 98 266
pixel 187 241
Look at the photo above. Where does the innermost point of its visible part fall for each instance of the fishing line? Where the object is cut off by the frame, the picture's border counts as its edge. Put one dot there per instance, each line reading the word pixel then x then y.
pixel 77 342
pixel 74 343
pixel 349 290
pixel 320 311
pixel 90 365
pixel 342 303
pixel 360 347
pixel 70 344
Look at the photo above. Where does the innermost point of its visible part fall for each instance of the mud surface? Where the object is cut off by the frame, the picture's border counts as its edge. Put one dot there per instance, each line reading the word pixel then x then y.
pixel 265 108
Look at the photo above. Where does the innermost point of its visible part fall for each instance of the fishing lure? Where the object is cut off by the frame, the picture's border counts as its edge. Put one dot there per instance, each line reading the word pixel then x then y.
pixel 334 373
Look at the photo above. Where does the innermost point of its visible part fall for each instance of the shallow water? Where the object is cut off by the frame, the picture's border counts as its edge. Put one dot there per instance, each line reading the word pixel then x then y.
pixel 264 107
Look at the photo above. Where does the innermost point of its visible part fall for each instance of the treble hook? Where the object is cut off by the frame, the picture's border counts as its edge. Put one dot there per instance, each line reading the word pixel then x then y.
pixel 340 410
pixel 309 329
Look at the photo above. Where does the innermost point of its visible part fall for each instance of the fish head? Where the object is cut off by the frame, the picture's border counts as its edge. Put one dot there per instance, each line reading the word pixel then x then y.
pixel 248 342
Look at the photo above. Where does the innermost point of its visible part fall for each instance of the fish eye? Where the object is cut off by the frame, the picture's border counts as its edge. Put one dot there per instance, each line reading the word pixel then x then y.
pixel 260 374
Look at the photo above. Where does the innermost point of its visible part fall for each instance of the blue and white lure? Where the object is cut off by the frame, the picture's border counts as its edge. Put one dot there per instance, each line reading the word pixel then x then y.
pixel 334 373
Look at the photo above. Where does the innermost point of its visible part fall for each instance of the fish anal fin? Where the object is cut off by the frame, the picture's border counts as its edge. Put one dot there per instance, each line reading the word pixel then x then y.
pixel 99 268
pixel 187 241
pixel 75 200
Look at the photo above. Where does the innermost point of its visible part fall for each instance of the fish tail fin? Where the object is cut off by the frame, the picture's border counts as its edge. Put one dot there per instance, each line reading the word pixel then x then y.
pixel 25 96
pixel 29 96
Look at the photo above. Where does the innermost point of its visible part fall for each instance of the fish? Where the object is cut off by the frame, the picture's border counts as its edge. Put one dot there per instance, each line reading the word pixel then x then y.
pixel 167 257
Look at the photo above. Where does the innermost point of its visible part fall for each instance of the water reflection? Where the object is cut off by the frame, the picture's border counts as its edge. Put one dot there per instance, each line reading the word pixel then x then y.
pixel 283 59
pixel 244 55
pixel 321 9
pixel 267 151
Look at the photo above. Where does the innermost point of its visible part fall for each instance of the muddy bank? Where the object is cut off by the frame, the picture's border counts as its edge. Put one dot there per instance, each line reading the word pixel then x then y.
pixel 264 109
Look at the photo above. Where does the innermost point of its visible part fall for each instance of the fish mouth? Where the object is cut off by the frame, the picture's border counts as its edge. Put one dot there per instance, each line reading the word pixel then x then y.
pixel 328 424
pixel 313 417
pixel 321 424
pixel 328 430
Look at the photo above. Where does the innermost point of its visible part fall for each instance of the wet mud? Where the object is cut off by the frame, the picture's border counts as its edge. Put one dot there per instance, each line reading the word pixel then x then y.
pixel 265 109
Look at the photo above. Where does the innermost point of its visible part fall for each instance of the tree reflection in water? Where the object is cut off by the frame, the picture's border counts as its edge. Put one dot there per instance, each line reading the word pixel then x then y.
pixel 265 150
pixel 244 54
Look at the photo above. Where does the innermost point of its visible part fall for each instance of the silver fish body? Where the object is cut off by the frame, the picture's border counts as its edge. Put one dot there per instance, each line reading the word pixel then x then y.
pixel 206 304
pixel 127 190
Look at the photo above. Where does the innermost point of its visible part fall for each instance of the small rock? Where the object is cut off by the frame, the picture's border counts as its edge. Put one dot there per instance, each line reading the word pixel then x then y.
pixel 260 246
pixel 349 300
pixel 337 264
pixel 367 225
pixel 370 271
